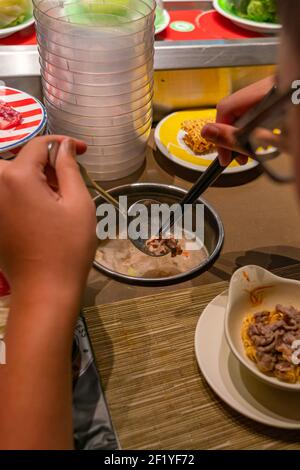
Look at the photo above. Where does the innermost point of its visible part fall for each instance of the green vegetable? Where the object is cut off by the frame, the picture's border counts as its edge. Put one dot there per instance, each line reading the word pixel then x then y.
pixel 14 12
pixel 256 10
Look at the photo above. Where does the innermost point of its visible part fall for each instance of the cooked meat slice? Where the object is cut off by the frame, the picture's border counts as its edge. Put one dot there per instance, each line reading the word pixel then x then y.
pixel 286 351
pixel 261 316
pixel 265 361
pixel 262 340
pixel 288 338
pixel 268 348
pixel 281 369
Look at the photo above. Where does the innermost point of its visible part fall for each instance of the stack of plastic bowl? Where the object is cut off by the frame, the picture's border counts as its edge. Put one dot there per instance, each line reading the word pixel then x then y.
pixel 96 62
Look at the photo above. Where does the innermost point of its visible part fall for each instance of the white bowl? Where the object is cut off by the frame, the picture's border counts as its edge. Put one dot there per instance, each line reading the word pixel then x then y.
pixel 277 291
pixel 5 32
pixel 250 25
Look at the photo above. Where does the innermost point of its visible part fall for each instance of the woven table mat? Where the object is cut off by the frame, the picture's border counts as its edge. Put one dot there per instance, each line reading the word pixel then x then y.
pixel 158 399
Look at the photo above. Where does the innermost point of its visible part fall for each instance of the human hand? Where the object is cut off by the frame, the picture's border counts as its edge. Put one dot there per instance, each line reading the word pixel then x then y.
pixel 229 110
pixel 47 236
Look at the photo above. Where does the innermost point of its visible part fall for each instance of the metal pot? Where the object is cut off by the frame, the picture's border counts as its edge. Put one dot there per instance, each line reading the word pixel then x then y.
pixel 213 231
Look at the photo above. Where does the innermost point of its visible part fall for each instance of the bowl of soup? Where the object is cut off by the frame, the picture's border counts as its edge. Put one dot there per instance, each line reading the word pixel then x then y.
pixel 119 259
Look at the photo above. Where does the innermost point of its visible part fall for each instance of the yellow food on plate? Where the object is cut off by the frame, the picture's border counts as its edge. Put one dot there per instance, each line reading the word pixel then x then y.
pixel 193 138
pixel 272 340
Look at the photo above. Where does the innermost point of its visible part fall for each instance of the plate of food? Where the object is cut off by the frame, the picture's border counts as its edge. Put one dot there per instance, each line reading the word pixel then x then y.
pixel 262 326
pixel 178 137
pixel 15 15
pixel 255 15
pixel 227 375
pixel 22 117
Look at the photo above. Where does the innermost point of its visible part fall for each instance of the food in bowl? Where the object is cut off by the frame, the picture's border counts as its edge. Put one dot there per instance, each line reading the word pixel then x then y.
pixel 255 10
pixel 161 246
pixel 9 117
pixel 193 138
pixel 270 339
pixel 14 12
pixel 121 256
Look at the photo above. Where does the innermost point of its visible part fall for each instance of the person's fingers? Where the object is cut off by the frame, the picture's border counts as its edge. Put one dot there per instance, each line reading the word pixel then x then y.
pixel 224 155
pixel 36 151
pixel 223 136
pixel 68 175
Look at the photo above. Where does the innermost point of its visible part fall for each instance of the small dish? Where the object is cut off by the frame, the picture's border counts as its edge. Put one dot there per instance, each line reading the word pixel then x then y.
pixel 169 140
pixel 273 290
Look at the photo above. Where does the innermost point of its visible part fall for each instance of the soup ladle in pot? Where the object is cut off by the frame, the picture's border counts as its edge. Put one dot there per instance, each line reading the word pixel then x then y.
pixel 204 181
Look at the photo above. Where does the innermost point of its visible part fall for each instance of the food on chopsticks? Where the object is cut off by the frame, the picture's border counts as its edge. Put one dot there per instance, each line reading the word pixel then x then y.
pixel 120 255
pixel 9 117
pixel 162 246
pixel 256 10
pixel 14 12
pixel 270 340
pixel 193 138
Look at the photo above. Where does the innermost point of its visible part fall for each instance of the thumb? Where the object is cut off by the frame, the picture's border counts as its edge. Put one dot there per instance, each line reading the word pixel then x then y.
pixel 68 175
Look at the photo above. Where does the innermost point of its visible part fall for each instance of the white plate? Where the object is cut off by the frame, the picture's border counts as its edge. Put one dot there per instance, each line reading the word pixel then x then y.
pixel 232 382
pixel 34 119
pixel 258 27
pixel 162 25
pixel 168 137
pixel 4 32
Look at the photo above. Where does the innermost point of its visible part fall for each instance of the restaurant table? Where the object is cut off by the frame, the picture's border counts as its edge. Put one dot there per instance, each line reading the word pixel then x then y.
pixel 143 338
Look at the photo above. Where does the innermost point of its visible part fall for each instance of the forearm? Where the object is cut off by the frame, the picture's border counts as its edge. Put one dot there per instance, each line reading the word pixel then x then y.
pixel 36 382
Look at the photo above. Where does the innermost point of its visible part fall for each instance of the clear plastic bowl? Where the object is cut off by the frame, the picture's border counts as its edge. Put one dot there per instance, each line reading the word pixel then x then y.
pixel 96 140
pixel 96 67
pixel 89 121
pixel 93 111
pixel 125 148
pixel 92 55
pixel 121 158
pixel 99 175
pixel 110 165
pixel 83 78
pixel 112 159
pixel 99 101
pixel 101 131
pixel 98 19
pixel 97 90
pixel 117 158
pixel 114 43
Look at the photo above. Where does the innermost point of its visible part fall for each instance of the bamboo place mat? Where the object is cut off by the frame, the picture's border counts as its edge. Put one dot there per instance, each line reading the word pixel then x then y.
pixel 156 394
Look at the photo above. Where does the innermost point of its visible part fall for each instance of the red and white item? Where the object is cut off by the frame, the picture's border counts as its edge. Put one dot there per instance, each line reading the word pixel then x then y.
pixel 22 117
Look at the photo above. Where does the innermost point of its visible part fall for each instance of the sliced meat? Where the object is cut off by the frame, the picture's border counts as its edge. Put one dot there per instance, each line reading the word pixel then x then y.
pixel 286 351
pixel 265 361
pixel 9 117
pixel 281 369
pixel 261 316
